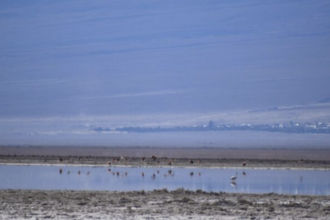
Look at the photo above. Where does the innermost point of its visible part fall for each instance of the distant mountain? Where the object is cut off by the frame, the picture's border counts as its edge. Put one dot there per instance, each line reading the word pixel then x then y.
pixel 290 127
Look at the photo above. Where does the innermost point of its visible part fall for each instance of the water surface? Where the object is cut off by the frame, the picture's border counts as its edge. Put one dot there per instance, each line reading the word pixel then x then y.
pixel 142 178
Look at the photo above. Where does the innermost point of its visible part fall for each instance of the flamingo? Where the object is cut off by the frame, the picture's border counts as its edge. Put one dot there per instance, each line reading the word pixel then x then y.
pixel 154 157
pixel 244 163
pixel 233 178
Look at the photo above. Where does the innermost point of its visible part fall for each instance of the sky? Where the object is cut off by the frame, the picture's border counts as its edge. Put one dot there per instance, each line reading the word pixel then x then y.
pixel 149 62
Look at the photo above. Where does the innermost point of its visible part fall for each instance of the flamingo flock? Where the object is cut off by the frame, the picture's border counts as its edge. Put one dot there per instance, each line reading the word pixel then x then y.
pixel 154 175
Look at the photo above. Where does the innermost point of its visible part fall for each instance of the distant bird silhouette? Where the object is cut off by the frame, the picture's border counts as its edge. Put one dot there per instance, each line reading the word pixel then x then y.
pixel 142 174
pixel 61 171
pixel 233 178
pixel 244 163
pixel 154 157
pixel 169 163
pixel 61 159
pixel 191 161
pixel 191 173
pixel 244 173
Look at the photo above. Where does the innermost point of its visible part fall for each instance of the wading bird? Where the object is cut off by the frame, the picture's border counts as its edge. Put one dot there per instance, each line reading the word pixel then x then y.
pixel 233 178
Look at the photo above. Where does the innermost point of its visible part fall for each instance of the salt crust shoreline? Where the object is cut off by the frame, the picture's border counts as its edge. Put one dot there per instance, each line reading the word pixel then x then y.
pixel 146 166
pixel 159 204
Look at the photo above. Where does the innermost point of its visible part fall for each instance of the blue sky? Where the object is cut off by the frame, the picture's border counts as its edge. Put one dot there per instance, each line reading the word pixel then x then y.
pixel 169 58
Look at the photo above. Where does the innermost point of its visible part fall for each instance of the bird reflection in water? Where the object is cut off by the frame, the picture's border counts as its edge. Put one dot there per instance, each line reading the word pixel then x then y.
pixel 234 184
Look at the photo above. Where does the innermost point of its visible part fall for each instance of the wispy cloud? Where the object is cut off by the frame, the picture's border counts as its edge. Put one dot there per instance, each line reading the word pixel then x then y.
pixel 128 95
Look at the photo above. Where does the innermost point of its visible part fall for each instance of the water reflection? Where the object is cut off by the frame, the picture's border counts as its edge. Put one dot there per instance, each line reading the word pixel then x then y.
pixel 127 179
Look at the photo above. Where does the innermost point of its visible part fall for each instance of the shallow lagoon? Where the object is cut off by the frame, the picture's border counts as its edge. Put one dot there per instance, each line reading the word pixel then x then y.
pixel 309 182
